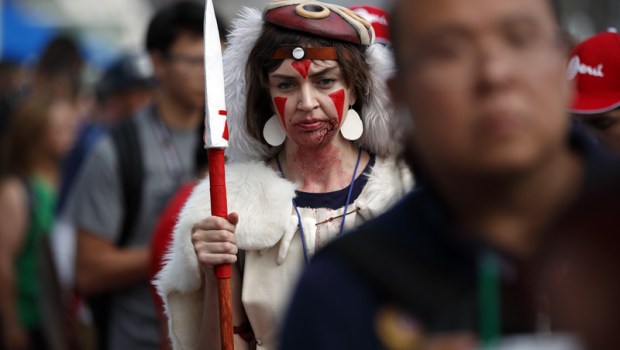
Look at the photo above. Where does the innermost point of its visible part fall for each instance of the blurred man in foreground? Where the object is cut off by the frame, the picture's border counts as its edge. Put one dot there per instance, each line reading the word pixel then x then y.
pixel 483 86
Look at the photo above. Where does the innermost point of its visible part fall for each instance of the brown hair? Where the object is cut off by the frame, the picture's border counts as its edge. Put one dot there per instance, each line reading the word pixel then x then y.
pixel 27 127
pixel 351 59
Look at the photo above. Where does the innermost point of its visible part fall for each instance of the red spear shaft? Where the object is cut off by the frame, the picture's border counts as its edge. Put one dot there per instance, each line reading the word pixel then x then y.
pixel 216 140
pixel 219 207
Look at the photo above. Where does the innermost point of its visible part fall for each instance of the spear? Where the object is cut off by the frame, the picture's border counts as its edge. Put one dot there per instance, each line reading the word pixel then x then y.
pixel 216 140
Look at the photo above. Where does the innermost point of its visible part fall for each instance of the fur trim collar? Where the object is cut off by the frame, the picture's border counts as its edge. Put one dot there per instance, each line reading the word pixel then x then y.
pixel 377 115
pixel 263 200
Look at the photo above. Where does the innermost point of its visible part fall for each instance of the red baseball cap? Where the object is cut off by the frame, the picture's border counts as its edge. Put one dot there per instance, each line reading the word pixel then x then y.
pixel 595 67
pixel 378 19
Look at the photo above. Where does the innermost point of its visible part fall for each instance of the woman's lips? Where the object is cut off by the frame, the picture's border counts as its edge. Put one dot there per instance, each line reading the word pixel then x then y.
pixel 310 125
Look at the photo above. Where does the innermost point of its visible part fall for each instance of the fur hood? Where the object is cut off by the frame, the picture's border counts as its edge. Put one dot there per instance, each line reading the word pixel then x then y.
pixel 377 115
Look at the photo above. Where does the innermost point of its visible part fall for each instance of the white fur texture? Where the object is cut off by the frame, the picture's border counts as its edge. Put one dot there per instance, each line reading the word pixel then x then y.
pixel 256 192
pixel 245 30
pixel 263 200
pixel 377 114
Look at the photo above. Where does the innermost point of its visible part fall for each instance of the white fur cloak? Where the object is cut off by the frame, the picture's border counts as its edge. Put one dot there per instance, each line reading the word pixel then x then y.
pixel 264 202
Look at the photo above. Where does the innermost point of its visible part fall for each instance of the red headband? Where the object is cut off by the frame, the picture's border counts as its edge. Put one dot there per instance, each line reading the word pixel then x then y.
pixel 305 53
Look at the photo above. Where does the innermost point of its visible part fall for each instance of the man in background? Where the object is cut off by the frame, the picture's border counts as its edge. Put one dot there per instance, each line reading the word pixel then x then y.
pixel 129 176
pixel 595 69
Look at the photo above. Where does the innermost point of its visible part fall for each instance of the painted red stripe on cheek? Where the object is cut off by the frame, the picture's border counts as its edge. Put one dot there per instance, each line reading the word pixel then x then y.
pixel 302 67
pixel 338 99
pixel 280 103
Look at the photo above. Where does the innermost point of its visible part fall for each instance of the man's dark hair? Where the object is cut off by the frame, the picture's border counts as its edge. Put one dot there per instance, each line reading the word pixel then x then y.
pixel 172 20
pixel 395 22
pixel 61 62
pixel 61 56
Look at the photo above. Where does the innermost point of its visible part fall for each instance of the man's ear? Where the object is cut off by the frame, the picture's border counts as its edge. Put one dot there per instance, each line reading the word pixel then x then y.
pixel 158 61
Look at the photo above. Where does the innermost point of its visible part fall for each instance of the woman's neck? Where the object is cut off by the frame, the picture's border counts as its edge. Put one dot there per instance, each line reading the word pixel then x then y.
pixel 326 168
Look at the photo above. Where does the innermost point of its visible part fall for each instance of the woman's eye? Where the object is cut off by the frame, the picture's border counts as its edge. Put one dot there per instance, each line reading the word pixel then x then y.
pixel 285 86
pixel 326 82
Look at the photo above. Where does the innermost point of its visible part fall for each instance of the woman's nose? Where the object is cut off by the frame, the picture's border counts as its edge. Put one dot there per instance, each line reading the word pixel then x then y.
pixel 307 99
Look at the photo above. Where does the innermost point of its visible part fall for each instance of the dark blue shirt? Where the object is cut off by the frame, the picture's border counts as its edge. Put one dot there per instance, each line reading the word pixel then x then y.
pixel 88 135
pixel 412 270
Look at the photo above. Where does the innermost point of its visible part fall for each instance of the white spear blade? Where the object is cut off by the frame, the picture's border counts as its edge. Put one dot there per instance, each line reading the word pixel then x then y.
pixel 216 127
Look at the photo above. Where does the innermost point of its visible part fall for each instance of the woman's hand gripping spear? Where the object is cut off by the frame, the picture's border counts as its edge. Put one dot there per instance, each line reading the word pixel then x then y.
pixel 216 140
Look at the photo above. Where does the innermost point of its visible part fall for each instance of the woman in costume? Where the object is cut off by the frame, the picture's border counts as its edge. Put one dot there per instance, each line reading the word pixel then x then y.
pixel 311 154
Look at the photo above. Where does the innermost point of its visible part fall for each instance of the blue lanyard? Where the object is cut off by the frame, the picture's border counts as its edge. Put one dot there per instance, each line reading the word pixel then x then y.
pixel 344 213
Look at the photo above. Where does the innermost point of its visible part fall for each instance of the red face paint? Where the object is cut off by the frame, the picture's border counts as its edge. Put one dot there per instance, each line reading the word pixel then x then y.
pixel 225 134
pixel 280 103
pixel 338 98
pixel 302 67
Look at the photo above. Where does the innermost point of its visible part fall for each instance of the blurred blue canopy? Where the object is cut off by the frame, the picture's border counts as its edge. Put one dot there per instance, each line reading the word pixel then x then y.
pixel 24 34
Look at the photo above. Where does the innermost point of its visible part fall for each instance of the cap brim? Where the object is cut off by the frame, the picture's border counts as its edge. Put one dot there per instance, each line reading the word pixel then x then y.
pixel 595 103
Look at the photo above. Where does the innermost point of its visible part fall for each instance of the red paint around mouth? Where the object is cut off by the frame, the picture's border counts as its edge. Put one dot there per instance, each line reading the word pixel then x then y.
pixel 280 103
pixel 302 67
pixel 338 99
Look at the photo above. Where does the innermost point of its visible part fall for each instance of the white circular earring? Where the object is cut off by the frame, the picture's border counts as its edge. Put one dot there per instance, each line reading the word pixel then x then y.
pixel 273 132
pixel 353 127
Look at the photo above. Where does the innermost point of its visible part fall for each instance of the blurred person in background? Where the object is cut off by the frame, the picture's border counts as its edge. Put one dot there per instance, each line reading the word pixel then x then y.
pixel 58 71
pixel 11 80
pixel 39 136
pixel 378 18
pixel 162 236
pixel 124 88
pixel 482 89
pixel 595 69
pixel 130 175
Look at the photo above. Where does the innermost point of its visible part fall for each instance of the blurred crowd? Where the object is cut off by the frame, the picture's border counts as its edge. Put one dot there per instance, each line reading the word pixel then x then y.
pixel 93 176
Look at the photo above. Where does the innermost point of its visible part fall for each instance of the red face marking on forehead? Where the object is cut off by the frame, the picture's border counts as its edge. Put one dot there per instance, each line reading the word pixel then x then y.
pixel 302 67
pixel 280 103
pixel 338 98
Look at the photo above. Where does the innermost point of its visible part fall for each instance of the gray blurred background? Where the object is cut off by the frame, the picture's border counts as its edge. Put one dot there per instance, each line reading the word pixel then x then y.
pixel 107 28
